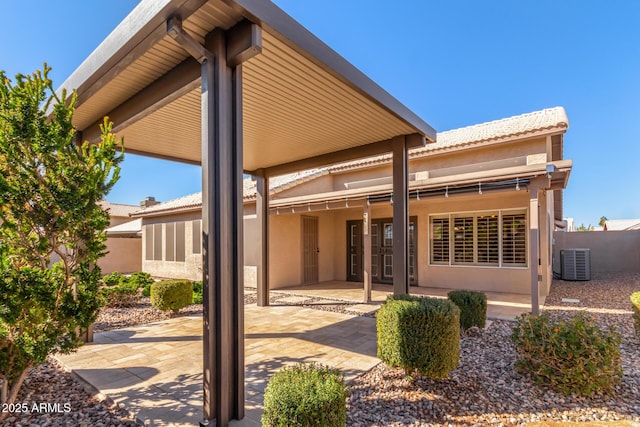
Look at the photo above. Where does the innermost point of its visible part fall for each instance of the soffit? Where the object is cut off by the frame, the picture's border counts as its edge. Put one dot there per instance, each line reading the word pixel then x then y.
pixel 294 105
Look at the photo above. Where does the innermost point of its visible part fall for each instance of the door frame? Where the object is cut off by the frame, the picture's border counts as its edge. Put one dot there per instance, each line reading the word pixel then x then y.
pixel 380 265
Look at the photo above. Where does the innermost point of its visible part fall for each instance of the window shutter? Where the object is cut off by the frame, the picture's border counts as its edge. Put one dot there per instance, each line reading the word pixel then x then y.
pixel 514 240
pixel 488 240
pixel 440 240
pixel 463 240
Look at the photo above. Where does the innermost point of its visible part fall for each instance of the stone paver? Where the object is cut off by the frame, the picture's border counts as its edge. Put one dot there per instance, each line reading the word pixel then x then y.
pixel 155 370
pixel 500 306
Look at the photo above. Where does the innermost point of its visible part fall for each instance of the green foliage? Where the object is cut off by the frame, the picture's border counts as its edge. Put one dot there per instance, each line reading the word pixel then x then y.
pixel 146 291
pixel 124 291
pixel 197 292
pixel 52 230
pixel 420 334
pixel 473 307
pixel 114 279
pixel 171 294
pixel 305 395
pixel 572 356
pixel 140 280
pixel 635 303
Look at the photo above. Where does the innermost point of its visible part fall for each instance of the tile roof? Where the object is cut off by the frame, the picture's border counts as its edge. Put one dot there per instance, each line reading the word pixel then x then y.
pixel 194 201
pixel 550 119
pixel 622 224
pixel 118 210
pixel 130 227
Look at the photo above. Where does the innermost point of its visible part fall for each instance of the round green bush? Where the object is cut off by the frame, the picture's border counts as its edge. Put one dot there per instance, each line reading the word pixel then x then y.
pixel 305 395
pixel 473 307
pixel 171 294
pixel 572 356
pixel 419 334
pixel 635 303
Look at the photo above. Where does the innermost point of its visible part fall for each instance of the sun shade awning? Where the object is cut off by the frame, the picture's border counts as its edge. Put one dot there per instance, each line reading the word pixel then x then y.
pixel 300 98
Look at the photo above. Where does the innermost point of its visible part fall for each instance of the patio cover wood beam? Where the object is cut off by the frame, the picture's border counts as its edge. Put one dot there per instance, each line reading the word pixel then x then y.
pixel 135 35
pixel 368 150
pixel 400 216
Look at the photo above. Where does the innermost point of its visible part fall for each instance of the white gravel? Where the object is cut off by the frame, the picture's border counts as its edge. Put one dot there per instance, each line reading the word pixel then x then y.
pixel 485 389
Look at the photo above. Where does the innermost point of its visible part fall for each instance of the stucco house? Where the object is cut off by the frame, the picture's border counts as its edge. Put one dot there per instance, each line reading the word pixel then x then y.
pixel 472 197
pixel 123 249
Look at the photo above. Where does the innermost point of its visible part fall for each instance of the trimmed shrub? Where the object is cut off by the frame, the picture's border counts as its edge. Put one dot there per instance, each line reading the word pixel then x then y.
pixel 197 292
pixel 305 395
pixel 571 356
pixel 635 302
pixel 473 307
pixel 171 294
pixel 419 334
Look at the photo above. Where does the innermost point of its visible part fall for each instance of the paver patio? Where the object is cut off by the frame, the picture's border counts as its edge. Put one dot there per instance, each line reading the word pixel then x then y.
pixel 155 370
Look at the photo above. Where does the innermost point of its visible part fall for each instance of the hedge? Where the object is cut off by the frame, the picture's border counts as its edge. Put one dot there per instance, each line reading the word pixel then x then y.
pixel 419 334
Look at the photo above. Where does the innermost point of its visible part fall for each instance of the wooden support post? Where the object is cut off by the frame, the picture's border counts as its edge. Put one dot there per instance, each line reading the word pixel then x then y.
pixel 262 216
pixel 400 217
pixel 366 242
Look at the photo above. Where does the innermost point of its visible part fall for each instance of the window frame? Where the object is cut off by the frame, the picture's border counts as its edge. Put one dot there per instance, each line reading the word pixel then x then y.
pixel 475 216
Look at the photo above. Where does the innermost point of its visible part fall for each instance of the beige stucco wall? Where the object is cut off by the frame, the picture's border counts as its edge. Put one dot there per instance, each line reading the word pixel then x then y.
pixel 285 242
pixel 191 268
pixel 125 255
pixel 611 251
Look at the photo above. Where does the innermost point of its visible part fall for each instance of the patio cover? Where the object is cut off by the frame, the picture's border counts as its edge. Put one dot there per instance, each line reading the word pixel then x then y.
pixel 238 86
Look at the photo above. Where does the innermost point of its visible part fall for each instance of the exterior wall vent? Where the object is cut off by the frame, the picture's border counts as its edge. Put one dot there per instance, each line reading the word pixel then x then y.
pixel 575 264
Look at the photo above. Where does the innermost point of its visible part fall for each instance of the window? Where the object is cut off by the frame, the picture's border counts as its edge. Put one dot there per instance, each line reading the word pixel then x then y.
pixel 148 241
pixel 514 241
pixel 157 242
pixel 180 246
pixel 440 240
pixel 488 240
pixel 463 240
pixel 196 227
pixel 169 249
pixel 496 239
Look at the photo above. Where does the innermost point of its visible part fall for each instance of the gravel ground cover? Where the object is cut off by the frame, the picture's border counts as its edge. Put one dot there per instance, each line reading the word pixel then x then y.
pixel 484 390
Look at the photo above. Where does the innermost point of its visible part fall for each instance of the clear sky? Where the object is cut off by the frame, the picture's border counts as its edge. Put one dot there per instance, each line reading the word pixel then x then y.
pixel 454 62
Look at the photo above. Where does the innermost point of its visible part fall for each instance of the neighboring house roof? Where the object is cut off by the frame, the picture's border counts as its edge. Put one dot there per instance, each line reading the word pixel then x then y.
pixel 194 201
pixel 118 210
pixel 525 125
pixel 622 224
pixel 126 229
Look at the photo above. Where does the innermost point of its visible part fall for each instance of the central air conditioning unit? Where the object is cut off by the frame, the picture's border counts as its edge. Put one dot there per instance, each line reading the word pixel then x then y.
pixel 575 264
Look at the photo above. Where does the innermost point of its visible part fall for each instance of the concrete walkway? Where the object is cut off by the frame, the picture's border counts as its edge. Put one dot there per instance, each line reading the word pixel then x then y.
pixel 155 370
pixel 500 305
